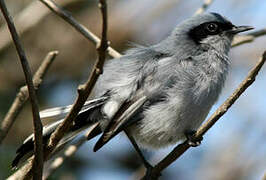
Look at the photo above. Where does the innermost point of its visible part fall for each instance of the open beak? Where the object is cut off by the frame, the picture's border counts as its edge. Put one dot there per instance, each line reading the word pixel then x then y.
pixel 238 29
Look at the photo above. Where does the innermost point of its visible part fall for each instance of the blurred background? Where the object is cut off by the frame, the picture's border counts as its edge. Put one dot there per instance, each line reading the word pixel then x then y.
pixel 235 148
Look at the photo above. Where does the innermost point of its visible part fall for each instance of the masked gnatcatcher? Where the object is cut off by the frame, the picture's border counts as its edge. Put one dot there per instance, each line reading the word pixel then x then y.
pixel 158 94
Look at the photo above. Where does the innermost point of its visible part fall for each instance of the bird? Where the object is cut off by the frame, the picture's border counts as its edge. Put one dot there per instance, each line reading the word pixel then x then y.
pixel 159 94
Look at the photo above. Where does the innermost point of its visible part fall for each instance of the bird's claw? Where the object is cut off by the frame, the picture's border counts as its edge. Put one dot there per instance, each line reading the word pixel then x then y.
pixel 192 140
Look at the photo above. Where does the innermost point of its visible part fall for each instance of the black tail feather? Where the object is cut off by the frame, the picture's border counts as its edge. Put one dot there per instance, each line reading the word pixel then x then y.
pixel 83 120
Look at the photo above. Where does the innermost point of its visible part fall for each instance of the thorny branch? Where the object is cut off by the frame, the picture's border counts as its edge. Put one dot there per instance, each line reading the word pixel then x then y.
pixel 23 95
pixel 181 148
pixel 38 148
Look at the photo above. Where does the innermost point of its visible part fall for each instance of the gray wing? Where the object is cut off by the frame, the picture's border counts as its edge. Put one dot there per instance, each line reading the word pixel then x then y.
pixel 121 120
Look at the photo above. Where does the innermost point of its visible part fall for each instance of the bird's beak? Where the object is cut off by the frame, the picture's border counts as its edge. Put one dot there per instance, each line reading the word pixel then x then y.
pixel 238 29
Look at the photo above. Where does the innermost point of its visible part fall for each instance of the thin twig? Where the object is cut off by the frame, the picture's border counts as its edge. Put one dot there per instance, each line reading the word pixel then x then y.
pixel 79 27
pixel 38 147
pixel 83 90
pixel 258 33
pixel 204 7
pixel 24 172
pixel 181 148
pixel 23 95
pixel 92 37
pixel 68 152
pixel 264 176
pixel 249 37
pixel 25 20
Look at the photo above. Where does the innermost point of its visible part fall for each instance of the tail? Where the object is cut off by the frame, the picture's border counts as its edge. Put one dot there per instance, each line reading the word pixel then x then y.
pixel 88 116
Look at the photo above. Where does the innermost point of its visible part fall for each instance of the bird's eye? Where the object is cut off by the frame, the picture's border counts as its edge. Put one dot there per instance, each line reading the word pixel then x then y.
pixel 212 27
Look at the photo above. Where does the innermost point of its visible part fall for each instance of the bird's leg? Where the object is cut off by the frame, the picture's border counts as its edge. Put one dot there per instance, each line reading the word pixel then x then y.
pixel 192 141
pixel 145 162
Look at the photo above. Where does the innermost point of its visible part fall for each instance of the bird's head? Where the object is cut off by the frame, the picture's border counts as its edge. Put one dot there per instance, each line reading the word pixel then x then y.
pixel 208 30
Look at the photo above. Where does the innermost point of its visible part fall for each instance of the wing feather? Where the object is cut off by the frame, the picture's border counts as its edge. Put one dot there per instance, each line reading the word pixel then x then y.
pixel 121 120
pixel 61 112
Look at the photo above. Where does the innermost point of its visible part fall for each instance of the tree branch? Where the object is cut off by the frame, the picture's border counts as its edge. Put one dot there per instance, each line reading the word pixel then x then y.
pixel 68 152
pixel 204 7
pixel 24 172
pixel 250 37
pixel 238 40
pixel 23 95
pixel 264 176
pixel 79 27
pixel 38 148
pixel 24 23
pixel 84 90
pixel 181 148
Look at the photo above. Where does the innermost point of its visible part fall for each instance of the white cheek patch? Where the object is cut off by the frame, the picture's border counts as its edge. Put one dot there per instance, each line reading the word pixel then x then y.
pixel 110 108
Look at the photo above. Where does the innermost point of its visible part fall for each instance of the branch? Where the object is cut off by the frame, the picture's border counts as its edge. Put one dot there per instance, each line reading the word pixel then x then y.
pixel 181 148
pixel 38 147
pixel 84 90
pixel 24 172
pixel 204 7
pixel 250 37
pixel 264 176
pixel 80 28
pixel 25 20
pixel 68 152
pixel 23 95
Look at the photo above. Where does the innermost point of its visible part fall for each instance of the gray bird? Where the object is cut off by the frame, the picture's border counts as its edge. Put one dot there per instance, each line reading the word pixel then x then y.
pixel 159 94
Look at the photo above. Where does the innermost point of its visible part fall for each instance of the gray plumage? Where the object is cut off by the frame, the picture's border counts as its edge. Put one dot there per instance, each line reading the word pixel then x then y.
pixel 158 93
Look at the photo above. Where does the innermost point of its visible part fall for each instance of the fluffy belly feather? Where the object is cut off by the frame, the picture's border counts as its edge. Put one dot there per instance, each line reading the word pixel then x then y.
pixel 165 126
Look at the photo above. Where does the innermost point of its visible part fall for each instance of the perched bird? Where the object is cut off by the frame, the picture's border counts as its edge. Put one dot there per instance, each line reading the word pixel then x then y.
pixel 159 94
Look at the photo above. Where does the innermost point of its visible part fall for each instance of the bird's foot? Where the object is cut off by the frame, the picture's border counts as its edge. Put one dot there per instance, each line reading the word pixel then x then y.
pixel 192 140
